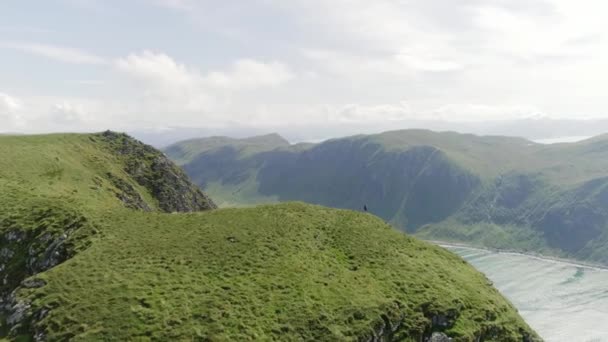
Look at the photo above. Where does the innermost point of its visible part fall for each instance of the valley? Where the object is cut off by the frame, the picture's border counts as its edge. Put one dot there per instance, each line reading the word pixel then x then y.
pixel 492 191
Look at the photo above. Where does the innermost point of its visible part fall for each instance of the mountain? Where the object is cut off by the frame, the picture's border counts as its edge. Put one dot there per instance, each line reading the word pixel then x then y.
pixel 494 191
pixel 188 149
pixel 532 128
pixel 103 238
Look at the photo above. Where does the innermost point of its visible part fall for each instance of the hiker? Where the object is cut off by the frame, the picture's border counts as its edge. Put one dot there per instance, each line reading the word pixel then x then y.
pixel 365 207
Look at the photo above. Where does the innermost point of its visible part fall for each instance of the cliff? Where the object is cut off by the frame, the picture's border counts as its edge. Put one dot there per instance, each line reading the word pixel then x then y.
pixel 102 238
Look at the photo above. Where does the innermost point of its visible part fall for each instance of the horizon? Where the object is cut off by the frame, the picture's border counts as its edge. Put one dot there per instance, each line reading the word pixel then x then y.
pixel 148 140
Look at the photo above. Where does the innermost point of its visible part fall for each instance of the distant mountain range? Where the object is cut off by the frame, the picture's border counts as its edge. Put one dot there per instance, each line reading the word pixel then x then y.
pixel 495 191
pixel 530 128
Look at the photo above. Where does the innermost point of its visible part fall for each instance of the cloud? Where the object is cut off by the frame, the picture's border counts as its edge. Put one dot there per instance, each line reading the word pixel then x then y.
pixel 9 112
pixel 431 64
pixel 482 112
pixel 158 68
pixel 58 53
pixel 162 85
pixel 310 62
pixel 67 114
pixel 248 73
pixel 167 88
pixel 181 5
pixel 370 113
pixel 403 111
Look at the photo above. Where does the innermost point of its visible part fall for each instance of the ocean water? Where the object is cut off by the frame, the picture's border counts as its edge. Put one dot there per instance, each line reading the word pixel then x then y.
pixel 563 302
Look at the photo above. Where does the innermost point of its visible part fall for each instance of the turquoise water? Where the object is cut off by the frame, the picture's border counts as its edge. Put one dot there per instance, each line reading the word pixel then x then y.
pixel 563 302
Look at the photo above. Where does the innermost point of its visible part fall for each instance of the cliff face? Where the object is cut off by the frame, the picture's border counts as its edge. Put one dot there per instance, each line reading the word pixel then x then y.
pixel 35 240
pixel 54 192
pixel 150 168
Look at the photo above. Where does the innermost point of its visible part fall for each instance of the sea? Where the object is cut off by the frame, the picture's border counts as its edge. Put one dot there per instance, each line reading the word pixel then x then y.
pixel 560 300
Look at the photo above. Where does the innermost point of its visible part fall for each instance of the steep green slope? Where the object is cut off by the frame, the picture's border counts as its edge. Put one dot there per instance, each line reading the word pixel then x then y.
pixel 288 272
pixel 92 251
pixel 185 151
pixel 492 191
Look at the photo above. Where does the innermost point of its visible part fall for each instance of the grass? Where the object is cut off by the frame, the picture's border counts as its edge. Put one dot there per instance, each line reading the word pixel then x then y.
pixel 243 195
pixel 287 272
pixel 485 234
pixel 72 167
pixel 186 151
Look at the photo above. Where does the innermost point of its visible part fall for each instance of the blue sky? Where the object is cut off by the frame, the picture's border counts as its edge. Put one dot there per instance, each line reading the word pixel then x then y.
pixel 88 65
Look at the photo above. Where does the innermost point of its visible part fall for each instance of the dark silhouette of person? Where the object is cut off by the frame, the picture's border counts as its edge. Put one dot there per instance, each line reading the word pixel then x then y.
pixel 365 207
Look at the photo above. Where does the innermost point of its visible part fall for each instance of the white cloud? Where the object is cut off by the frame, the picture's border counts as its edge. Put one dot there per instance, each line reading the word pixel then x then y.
pixel 58 53
pixel 370 113
pixel 167 87
pixel 164 87
pixel 317 61
pixel 9 112
pixel 533 34
pixel 248 73
pixel 158 68
pixel 482 112
pixel 432 64
pixel 175 4
pixel 403 111
pixel 67 114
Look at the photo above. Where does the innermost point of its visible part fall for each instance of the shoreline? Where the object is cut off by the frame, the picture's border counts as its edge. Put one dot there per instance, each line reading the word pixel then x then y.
pixel 537 256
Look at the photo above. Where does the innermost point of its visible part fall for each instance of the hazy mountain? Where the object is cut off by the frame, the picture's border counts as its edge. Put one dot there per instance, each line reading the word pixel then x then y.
pixel 491 190
pixel 529 128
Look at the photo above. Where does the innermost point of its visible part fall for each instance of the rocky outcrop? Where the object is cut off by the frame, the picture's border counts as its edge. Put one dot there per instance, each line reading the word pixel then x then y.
pixel 392 327
pixel 43 234
pixel 32 242
pixel 166 182
pixel 127 194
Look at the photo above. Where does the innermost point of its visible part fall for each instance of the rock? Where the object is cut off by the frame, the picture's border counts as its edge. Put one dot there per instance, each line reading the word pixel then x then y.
pixel 52 255
pixel 33 283
pixel 165 181
pixel 28 249
pixel 6 253
pixel 384 330
pixel 19 311
pixel 440 321
pixel 127 194
pixel 439 337
pixel 14 236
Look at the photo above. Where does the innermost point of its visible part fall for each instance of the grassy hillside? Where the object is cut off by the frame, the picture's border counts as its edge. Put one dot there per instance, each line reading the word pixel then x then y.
pixel 186 150
pixel 93 250
pixel 493 191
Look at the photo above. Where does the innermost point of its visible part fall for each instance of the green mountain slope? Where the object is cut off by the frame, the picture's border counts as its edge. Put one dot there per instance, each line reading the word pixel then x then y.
pixel 92 249
pixel 493 191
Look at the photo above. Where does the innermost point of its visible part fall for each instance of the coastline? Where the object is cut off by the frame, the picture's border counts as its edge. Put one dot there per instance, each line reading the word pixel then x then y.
pixel 537 256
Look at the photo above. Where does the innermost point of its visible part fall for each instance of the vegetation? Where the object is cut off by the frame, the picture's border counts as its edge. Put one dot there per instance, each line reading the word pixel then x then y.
pixel 92 253
pixel 491 191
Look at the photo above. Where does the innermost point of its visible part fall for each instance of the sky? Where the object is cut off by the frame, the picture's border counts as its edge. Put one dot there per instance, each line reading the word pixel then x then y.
pixel 272 65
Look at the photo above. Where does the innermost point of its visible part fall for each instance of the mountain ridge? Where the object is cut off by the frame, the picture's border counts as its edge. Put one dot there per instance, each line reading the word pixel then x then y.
pixel 492 191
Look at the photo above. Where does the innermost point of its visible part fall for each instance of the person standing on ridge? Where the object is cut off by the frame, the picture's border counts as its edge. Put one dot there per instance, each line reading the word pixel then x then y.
pixel 365 207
